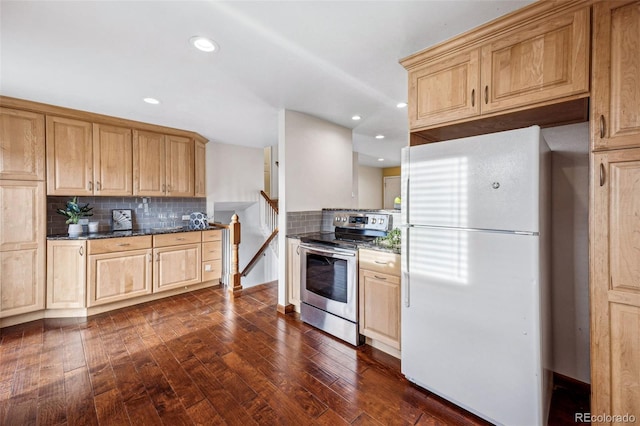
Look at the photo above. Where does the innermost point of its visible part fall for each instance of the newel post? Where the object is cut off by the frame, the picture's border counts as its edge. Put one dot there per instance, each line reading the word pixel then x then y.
pixel 235 286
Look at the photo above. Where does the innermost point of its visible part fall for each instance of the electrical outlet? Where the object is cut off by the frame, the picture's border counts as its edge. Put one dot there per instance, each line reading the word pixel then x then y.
pixel 185 217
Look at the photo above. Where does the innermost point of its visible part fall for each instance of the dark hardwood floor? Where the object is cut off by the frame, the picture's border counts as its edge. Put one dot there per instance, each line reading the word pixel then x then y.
pixel 202 358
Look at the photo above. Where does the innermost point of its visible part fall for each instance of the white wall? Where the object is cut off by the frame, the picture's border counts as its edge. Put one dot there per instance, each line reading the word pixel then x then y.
pixel 369 187
pixel 234 174
pixel 318 157
pixel 316 171
pixel 569 254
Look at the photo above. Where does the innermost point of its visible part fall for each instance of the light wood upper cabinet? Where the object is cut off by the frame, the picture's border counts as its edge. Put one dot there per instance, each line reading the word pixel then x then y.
pixel 200 169
pixel 69 157
pixel 537 63
pixel 22 155
pixel 180 165
pixel 615 98
pixel 22 247
pixel 533 59
pixel 163 165
pixel 149 164
pixel 66 274
pixel 446 90
pixel 112 158
pixel 615 282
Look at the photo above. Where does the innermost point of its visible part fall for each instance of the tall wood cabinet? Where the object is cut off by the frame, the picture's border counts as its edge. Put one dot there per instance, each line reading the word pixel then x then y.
pixel 615 210
pixel 615 97
pixel 200 169
pixel 22 212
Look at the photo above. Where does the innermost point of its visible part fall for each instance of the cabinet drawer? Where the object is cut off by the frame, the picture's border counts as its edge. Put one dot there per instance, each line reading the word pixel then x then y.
pixel 380 261
pixel 212 235
pixel 212 250
pixel 111 245
pixel 211 270
pixel 179 238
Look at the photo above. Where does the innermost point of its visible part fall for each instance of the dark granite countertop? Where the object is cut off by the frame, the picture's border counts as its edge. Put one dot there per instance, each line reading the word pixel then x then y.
pixel 133 233
pixel 361 245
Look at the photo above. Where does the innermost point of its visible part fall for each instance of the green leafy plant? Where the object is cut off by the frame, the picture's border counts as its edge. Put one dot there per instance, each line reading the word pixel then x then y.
pixel 391 240
pixel 75 211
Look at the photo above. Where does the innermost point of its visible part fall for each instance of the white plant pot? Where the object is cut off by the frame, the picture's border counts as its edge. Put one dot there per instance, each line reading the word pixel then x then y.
pixel 75 229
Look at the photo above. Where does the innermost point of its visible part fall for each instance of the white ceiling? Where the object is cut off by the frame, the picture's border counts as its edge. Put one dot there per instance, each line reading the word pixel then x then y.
pixel 330 59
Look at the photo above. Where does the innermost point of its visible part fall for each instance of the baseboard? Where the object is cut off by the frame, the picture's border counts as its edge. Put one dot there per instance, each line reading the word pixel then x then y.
pixel 286 309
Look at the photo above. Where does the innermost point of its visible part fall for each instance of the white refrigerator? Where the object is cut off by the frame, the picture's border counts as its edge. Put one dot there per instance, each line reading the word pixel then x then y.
pixel 475 286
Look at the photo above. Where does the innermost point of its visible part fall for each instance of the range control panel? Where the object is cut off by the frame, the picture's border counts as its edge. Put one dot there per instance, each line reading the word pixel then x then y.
pixel 378 221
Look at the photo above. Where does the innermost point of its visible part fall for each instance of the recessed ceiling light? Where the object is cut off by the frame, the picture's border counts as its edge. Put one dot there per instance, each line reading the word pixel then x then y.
pixel 152 101
pixel 401 104
pixel 379 136
pixel 380 159
pixel 203 43
pixel 356 117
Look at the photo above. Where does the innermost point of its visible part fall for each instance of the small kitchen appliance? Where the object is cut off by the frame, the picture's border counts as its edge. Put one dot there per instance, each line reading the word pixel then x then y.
pixel 329 272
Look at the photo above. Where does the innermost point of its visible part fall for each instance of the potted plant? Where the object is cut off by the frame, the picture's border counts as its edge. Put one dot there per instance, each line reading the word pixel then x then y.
pixel 73 212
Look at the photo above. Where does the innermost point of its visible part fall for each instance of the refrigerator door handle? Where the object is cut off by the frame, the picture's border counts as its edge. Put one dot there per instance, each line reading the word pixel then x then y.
pixel 405 272
pixel 407 202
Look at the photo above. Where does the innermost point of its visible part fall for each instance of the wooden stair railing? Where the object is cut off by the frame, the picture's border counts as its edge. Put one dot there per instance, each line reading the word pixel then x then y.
pixel 256 257
pixel 272 203
pixel 235 286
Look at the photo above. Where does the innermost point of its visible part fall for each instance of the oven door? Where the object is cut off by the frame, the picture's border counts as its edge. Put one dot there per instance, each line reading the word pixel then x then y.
pixel 329 278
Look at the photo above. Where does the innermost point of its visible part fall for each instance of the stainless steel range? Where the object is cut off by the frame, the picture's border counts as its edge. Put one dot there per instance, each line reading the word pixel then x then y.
pixel 329 272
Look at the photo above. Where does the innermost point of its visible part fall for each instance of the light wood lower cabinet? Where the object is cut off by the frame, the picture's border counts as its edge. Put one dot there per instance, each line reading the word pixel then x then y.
pixel 293 271
pixel 615 282
pixel 211 255
pixel 176 266
pixel 22 289
pixel 118 269
pixel 66 274
pixel 379 292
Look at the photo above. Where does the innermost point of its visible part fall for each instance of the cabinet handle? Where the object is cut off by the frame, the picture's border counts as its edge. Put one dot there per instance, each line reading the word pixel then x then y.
pixel 602 123
pixel 601 174
pixel 81 251
pixel 180 239
pixel 98 186
pixel 298 250
pixel 380 278
pixel 123 244
pixel 149 257
pixel 486 94
pixel 473 97
pixel 164 188
pixel 90 186
pixel 157 257
pixel 380 262
pixel 168 188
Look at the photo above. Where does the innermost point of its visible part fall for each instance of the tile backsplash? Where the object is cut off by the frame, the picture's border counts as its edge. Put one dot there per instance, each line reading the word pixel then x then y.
pixel 303 222
pixel 145 211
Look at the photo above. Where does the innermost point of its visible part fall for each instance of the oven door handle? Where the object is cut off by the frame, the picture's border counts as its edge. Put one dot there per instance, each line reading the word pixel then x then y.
pixel 337 252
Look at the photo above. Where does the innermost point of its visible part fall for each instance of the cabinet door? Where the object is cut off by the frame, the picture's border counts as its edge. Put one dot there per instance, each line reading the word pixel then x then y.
pixel 538 63
pixel 380 307
pixel 293 271
pixel 444 91
pixel 615 282
pixel 615 110
pixel 22 276
pixel 176 266
pixel 21 145
pixel 149 164
pixel 66 274
pixel 22 247
pixel 112 157
pixel 180 164
pixel 69 157
pixel 119 276
pixel 201 169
